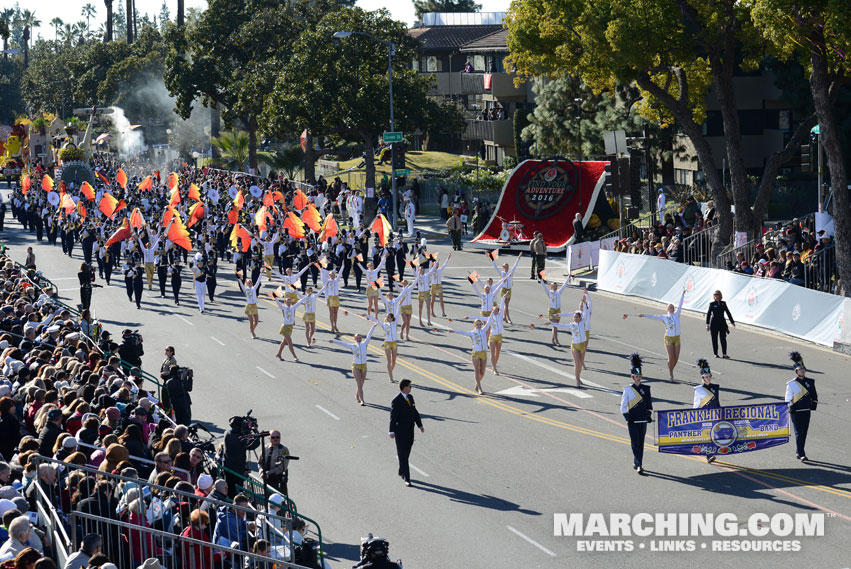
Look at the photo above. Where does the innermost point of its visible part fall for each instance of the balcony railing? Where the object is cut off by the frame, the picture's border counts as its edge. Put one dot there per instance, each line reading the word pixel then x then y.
pixel 499 132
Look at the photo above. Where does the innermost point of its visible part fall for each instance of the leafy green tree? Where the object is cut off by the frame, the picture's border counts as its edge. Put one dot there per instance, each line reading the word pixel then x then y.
pixel 119 21
pixel 285 160
pixel 819 34
pixel 339 89
pixel 47 83
pixel 233 146
pixel 425 6
pixel 673 52
pixel 165 16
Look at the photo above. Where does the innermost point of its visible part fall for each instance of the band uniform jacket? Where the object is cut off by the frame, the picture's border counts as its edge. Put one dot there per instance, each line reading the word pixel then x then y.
pixel 706 396
pixel 801 395
pixel 636 403
pixel 403 416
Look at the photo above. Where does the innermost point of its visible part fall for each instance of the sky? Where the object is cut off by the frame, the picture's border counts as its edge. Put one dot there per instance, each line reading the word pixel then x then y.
pixel 69 10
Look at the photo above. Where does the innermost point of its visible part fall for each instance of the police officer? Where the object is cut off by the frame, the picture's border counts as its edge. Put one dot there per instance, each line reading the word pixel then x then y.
pixel 802 398
pixel 637 409
pixel 706 392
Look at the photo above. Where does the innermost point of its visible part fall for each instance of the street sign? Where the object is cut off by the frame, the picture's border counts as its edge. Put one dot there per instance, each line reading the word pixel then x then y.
pixel 402 172
pixel 392 137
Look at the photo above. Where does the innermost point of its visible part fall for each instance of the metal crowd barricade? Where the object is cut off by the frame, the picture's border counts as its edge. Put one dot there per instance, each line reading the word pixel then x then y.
pixel 627 230
pixel 51 520
pixel 727 259
pixel 129 544
pixel 819 270
pixel 697 248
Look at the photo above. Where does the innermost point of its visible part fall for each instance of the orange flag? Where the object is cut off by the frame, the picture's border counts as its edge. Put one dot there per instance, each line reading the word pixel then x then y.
pixel 172 181
pixel 299 200
pixel 167 215
pixel 47 183
pixel 136 219
pixel 121 178
pixel 233 216
pixel 103 178
pixel 260 218
pixel 177 233
pixel 329 228
pixel 473 277
pixel 239 200
pixel 26 183
pixel 382 227
pixel 121 205
pixel 81 209
pixel 543 274
pixel 378 283
pixel 67 203
pixel 194 194
pixel 196 214
pixel 311 217
pixel 146 184
pixel 87 190
pixel 108 205
pixel 493 254
pixel 175 197
pixel 239 232
pixel 62 187
pixel 279 197
pixel 122 233
pixel 268 200
pixel 294 226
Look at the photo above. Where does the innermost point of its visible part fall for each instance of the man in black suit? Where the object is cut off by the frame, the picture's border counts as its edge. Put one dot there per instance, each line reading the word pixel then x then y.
pixel 403 415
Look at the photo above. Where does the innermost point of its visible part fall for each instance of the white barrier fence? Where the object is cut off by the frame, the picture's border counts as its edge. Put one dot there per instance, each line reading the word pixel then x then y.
pixel 587 253
pixel 768 303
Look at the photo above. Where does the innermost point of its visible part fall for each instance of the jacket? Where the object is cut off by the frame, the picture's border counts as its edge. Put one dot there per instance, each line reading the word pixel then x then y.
pixel 196 556
pixel 231 527
pixel 47 438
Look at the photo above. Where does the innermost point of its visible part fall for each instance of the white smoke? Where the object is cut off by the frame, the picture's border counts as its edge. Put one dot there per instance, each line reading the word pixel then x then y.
pixel 129 141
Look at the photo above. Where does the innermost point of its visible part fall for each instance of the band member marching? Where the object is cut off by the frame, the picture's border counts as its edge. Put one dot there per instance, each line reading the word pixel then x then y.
pixel 637 409
pixel 496 331
pixel 437 286
pixel 577 344
pixel 553 292
pixel 706 394
pixel 406 310
pixel 479 354
pixel 288 311
pixel 358 350
pixel 249 289
pixel 309 316
pixel 802 398
pixel 391 337
pixel 507 277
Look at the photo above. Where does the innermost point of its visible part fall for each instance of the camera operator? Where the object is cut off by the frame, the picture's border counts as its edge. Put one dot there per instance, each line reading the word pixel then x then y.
pixel 375 554
pixel 131 350
pixel 178 395
pixel 275 471
pixel 87 277
pixel 238 441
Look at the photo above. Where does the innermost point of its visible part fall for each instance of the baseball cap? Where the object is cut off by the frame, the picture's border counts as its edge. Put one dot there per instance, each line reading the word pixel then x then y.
pixel 54 414
pixel 205 481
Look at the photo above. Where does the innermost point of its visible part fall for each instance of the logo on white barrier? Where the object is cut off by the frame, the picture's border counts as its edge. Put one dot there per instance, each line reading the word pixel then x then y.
pixel 752 298
pixel 653 279
pixel 796 312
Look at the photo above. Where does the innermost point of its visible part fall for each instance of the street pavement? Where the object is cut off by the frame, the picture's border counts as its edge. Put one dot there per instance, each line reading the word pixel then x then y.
pixel 491 471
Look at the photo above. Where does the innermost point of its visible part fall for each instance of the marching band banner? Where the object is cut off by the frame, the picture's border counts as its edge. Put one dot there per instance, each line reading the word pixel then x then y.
pixel 723 430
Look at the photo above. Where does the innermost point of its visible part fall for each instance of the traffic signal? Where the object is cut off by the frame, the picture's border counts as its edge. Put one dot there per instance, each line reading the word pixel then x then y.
pixel 806 158
pixel 612 182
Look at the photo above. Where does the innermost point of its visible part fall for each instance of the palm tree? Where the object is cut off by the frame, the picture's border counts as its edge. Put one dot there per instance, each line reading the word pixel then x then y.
pixel 286 160
pixel 108 36
pixel 88 13
pixel 28 19
pixel 56 23
pixel 7 17
pixel 67 34
pixel 80 29
pixel 233 145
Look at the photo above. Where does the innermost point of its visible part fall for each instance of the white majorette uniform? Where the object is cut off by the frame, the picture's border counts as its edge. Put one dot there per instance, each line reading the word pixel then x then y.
pixel 290 281
pixel 372 274
pixel 506 276
pixel 423 282
pixel 479 338
pixel 586 315
pixel 671 322
pixel 577 332
pixel 496 327
pixel 409 217
pixel 358 350
pixel 250 297
pixel 488 298
pixel 310 305
pixel 288 313
pixel 391 331
pixel 554 296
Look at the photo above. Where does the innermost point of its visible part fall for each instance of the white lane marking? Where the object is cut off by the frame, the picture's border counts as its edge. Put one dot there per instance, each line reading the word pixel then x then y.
pixel 327 412
pixel 67 289
pixel 412 467
pixel 523 391
pixel 216 340
pixel 184 319
pixel 530 540
pixel 261 370
pixel 559 372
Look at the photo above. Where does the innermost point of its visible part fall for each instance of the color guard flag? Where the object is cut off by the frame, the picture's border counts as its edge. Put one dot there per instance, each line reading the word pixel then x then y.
pixel 178 234
pixel 121 177
pixel 81 209
pixel 239 200
pixel 233 216
pixel 473 277
pixel 175 197
pixel 377 283
pixel 262 218
pixel 329 228
pixel 47 183
pixel 146 184
pixel 268 199
pixel 359 258
pixel 543 274
pixel 26 183
pixel 196 214
pixel 279 197
pixel 239 232
pixel 194 193
pixel 303 140
pixel 108 205
pixel 492 255
pixel 172 181
pixel 311 217
pixel 62 187
pixel 167 215
pixel 294 226
pixel 136 219
pixel 87 190
pixel 120 234
pixel 299 200
pixel 67 204
pixel 103 178
pixel 121 205
pixel 382 227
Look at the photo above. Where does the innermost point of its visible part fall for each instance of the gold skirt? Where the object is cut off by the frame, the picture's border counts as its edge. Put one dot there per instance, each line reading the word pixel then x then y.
pixel 251 309
pixel 482 355
pixel 333 301
pixel 309 317
pixel 361 367
pixel 286 330
pixel 391 345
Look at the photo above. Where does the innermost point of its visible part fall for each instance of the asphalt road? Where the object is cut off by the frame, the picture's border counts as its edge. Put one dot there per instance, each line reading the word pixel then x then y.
pixel 491 471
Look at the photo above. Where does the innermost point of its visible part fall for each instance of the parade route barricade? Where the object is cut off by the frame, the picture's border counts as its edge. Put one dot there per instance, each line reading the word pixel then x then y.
pixel 773 304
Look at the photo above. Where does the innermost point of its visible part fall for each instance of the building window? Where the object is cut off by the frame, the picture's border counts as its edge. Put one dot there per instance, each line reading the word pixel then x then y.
pixel 479 63
pixel 415 65
pixel 433 64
